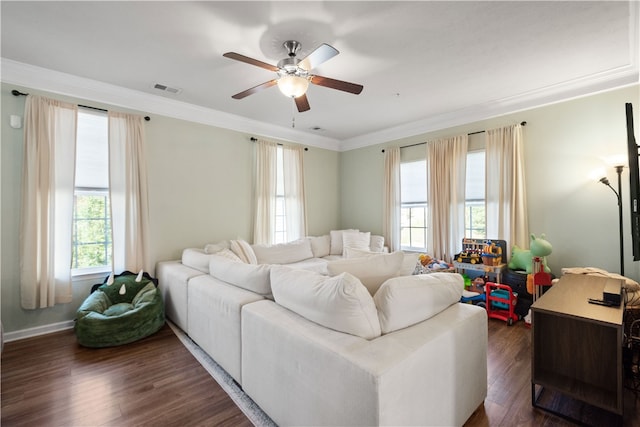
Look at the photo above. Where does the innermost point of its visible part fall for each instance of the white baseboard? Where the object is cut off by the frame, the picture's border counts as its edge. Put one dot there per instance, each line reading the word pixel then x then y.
pixel 40 330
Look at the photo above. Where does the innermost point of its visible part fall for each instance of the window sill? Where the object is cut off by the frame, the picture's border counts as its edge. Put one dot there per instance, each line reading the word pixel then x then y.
pixel 94 273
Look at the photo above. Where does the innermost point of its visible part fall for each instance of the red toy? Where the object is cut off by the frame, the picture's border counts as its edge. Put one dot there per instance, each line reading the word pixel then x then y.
pixel 501 301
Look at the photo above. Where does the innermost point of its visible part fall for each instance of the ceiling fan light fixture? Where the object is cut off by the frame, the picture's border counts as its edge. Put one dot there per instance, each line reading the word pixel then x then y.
pixel 293 86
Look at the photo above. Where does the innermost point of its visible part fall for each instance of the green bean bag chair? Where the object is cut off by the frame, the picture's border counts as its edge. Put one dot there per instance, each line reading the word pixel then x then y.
pixel 119 313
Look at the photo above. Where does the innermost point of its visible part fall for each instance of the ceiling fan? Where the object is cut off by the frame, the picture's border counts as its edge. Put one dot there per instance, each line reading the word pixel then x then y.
pixel 294 74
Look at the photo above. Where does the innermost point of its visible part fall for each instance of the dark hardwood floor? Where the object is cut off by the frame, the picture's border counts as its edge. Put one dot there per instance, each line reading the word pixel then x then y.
pixel 52 381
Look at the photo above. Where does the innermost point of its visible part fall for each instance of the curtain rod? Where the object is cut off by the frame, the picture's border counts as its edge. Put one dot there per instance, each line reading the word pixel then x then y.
pixel 254 139
pixel 469 134
pixel 18 93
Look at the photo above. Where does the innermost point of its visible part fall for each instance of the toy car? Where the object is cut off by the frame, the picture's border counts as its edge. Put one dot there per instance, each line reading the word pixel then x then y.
pixel 469 257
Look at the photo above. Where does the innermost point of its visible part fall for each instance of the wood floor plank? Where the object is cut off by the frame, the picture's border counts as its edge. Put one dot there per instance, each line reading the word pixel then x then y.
pixel 52 381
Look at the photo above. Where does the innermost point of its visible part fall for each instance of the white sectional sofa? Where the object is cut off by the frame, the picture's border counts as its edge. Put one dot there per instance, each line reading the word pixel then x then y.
pixel 319 338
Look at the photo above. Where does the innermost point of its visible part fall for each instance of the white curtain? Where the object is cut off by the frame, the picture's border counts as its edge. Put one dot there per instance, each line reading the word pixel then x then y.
pixel 446 170
pixel 128 194
pixel 47 202
pixel 505 186
pixel 266 188
pixel 392 202
pixel 265 191
pixel 294 197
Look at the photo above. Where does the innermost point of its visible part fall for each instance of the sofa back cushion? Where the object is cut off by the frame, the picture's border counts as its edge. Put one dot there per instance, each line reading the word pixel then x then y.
pixel 251 277
pixel 212 248
pixel 284 253
pixel 405 301
pixel 196 258
pixel 372 270
pixel 340 303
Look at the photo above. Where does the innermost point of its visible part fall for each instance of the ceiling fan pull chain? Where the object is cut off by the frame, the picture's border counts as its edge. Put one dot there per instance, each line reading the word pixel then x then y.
pixel 293 115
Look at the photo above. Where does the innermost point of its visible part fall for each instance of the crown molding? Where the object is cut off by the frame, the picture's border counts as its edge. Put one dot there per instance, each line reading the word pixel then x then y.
pixel 47 80
pixel 586 86
pixel 38 78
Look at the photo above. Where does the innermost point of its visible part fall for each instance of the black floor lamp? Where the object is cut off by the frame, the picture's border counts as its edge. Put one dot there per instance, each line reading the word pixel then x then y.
pixel 618 193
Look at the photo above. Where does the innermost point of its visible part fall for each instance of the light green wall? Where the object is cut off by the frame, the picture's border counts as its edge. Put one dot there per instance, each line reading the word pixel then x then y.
pixel 200 186
pixel 564 143
pixel 200 191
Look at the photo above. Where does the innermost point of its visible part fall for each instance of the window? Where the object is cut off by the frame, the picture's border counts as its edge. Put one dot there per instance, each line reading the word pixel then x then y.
pixel 280 230
pixel 91 248
pixel 413 195
pixel 475 219
pixel 413 210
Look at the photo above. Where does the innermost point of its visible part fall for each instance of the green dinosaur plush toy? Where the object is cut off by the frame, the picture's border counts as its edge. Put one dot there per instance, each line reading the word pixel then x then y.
pixel 522 259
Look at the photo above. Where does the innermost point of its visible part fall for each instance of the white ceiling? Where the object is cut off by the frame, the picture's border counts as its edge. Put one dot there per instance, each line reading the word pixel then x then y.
pixel 424 65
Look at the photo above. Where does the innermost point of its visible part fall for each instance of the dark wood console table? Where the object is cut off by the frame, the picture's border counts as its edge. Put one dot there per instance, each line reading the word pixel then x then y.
pixel 576 347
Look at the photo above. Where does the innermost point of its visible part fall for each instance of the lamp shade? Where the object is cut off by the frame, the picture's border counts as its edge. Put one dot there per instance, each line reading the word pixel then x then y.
pixel 293 86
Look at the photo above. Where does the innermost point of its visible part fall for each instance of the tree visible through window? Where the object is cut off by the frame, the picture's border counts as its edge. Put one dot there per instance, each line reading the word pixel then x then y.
pixel 91 214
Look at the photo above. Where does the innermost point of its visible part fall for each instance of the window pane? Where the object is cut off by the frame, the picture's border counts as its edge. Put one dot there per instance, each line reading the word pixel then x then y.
pixel 475 176
pixel 92 150
pixel 92 231
pixel 413 182
pixel 417 217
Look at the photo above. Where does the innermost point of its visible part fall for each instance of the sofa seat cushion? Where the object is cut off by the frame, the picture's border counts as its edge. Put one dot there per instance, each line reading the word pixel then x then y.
pixel 214 320
pixel 284 253
pixel 372 270
pixel 252 277
pixel 405 301
pixel 341 303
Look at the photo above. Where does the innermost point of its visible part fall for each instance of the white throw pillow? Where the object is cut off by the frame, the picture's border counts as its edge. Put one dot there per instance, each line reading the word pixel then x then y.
pixel 371 270
pixel 356 240
pixel 409 263
pixel 376 244
pixel 321 246
pixel 252 277
pixel 340 303
pixel 336 241
pixel 284 253
pixel 405 301
pixel 244 251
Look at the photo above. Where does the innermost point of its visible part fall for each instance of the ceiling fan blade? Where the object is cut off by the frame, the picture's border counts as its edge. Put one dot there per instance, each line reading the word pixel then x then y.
pixel 255 89
pixel 337 84
pixel 302 103
pixel 323 53
pixel 251 61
